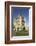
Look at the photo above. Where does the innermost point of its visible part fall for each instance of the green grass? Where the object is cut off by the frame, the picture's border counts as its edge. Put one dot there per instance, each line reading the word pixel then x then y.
pixel 22 33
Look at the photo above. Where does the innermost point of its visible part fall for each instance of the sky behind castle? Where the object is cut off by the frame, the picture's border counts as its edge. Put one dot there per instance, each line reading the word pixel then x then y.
pixel 15 11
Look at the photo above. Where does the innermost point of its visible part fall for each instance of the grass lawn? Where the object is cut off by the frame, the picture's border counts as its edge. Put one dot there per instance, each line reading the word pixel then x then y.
pixel 22 33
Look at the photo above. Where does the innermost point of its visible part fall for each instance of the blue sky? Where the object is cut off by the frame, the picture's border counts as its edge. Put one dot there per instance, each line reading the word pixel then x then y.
pixel 24 11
